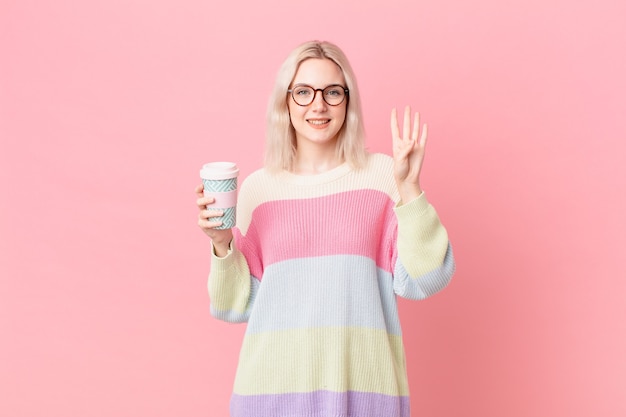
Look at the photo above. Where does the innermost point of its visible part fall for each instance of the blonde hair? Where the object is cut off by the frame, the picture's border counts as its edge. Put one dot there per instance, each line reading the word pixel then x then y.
pixel 280 135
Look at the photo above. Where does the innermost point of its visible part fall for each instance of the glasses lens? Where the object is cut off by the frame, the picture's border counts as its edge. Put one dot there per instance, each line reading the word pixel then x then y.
pixel 334 95
pixel 303 95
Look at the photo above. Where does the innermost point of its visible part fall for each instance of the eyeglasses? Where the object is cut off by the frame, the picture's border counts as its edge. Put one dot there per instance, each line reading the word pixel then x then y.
pixel 304 94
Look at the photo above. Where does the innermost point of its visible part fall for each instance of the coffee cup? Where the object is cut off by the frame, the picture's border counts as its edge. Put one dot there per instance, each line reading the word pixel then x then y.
pixel 220 182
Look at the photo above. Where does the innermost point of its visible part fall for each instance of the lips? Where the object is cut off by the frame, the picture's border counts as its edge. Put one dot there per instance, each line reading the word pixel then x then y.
pixel 318 122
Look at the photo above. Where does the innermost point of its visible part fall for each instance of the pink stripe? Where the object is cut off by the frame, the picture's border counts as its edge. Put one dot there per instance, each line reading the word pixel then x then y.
pixel 287 229
pixel 222 200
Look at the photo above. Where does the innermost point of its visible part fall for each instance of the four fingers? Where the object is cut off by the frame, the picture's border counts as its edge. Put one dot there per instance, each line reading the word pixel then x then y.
pixel 408 145
pixel 407 133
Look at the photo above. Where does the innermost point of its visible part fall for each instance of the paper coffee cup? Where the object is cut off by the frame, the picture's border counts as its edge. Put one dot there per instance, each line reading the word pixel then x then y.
pixel 220 182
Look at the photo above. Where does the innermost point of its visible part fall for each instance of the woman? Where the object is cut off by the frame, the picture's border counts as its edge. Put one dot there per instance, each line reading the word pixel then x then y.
pixel 327 237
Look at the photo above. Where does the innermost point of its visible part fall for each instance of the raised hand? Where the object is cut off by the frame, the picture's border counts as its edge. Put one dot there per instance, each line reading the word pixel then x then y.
pixel 408 153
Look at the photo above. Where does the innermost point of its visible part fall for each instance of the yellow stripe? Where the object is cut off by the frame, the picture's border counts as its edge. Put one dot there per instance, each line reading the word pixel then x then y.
pixel 334 359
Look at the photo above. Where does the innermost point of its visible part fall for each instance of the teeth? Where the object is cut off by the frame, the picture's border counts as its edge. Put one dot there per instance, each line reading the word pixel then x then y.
pixel 318 122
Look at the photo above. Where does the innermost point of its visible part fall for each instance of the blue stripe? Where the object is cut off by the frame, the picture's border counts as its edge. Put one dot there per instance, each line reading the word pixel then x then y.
pixel 338 290
pixel 419 288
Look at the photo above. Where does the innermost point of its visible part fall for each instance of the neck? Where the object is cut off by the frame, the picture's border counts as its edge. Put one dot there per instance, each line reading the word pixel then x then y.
pixel 316 161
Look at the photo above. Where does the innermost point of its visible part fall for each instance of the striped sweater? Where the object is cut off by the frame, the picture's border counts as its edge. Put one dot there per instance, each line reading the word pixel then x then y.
pixel 315 268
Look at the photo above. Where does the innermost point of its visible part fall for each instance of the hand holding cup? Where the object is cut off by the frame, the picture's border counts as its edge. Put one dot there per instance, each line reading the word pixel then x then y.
pixel 217 201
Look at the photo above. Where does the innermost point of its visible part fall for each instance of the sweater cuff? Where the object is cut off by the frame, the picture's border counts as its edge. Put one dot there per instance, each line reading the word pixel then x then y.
pixel 415 207
pixel 222 264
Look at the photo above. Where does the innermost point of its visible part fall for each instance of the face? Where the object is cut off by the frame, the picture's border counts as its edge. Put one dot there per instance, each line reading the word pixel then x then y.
pixel 317 123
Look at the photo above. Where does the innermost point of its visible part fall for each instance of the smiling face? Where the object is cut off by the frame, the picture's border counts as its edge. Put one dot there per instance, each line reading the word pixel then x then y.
pixel 317 123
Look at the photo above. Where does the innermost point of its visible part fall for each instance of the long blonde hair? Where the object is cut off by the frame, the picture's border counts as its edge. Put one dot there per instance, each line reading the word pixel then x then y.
pixel 280 135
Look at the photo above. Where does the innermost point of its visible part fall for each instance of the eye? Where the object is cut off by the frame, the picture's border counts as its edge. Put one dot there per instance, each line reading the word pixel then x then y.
pixel 302 91
pixel 334 92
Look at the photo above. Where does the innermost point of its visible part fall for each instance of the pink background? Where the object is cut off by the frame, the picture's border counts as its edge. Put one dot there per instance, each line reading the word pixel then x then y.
pixel 108 109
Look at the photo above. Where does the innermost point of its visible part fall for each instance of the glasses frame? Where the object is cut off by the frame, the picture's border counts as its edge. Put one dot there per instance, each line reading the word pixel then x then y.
pixel 315 90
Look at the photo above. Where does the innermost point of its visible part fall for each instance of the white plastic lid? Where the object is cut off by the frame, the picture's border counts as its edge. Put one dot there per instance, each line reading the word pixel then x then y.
pixel 219 170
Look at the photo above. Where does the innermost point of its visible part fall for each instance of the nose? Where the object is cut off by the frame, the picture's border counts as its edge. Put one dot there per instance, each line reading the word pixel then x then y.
pixel 318 101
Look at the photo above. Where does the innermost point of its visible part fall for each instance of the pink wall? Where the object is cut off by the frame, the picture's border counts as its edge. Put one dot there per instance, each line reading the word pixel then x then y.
pixel 108 108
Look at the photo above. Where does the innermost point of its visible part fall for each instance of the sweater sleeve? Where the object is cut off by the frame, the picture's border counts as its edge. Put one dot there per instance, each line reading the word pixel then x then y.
pixel 425 262
pixel 231 287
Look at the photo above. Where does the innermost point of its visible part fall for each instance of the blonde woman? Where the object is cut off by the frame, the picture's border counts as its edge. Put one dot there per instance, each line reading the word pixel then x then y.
pixel 327 237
